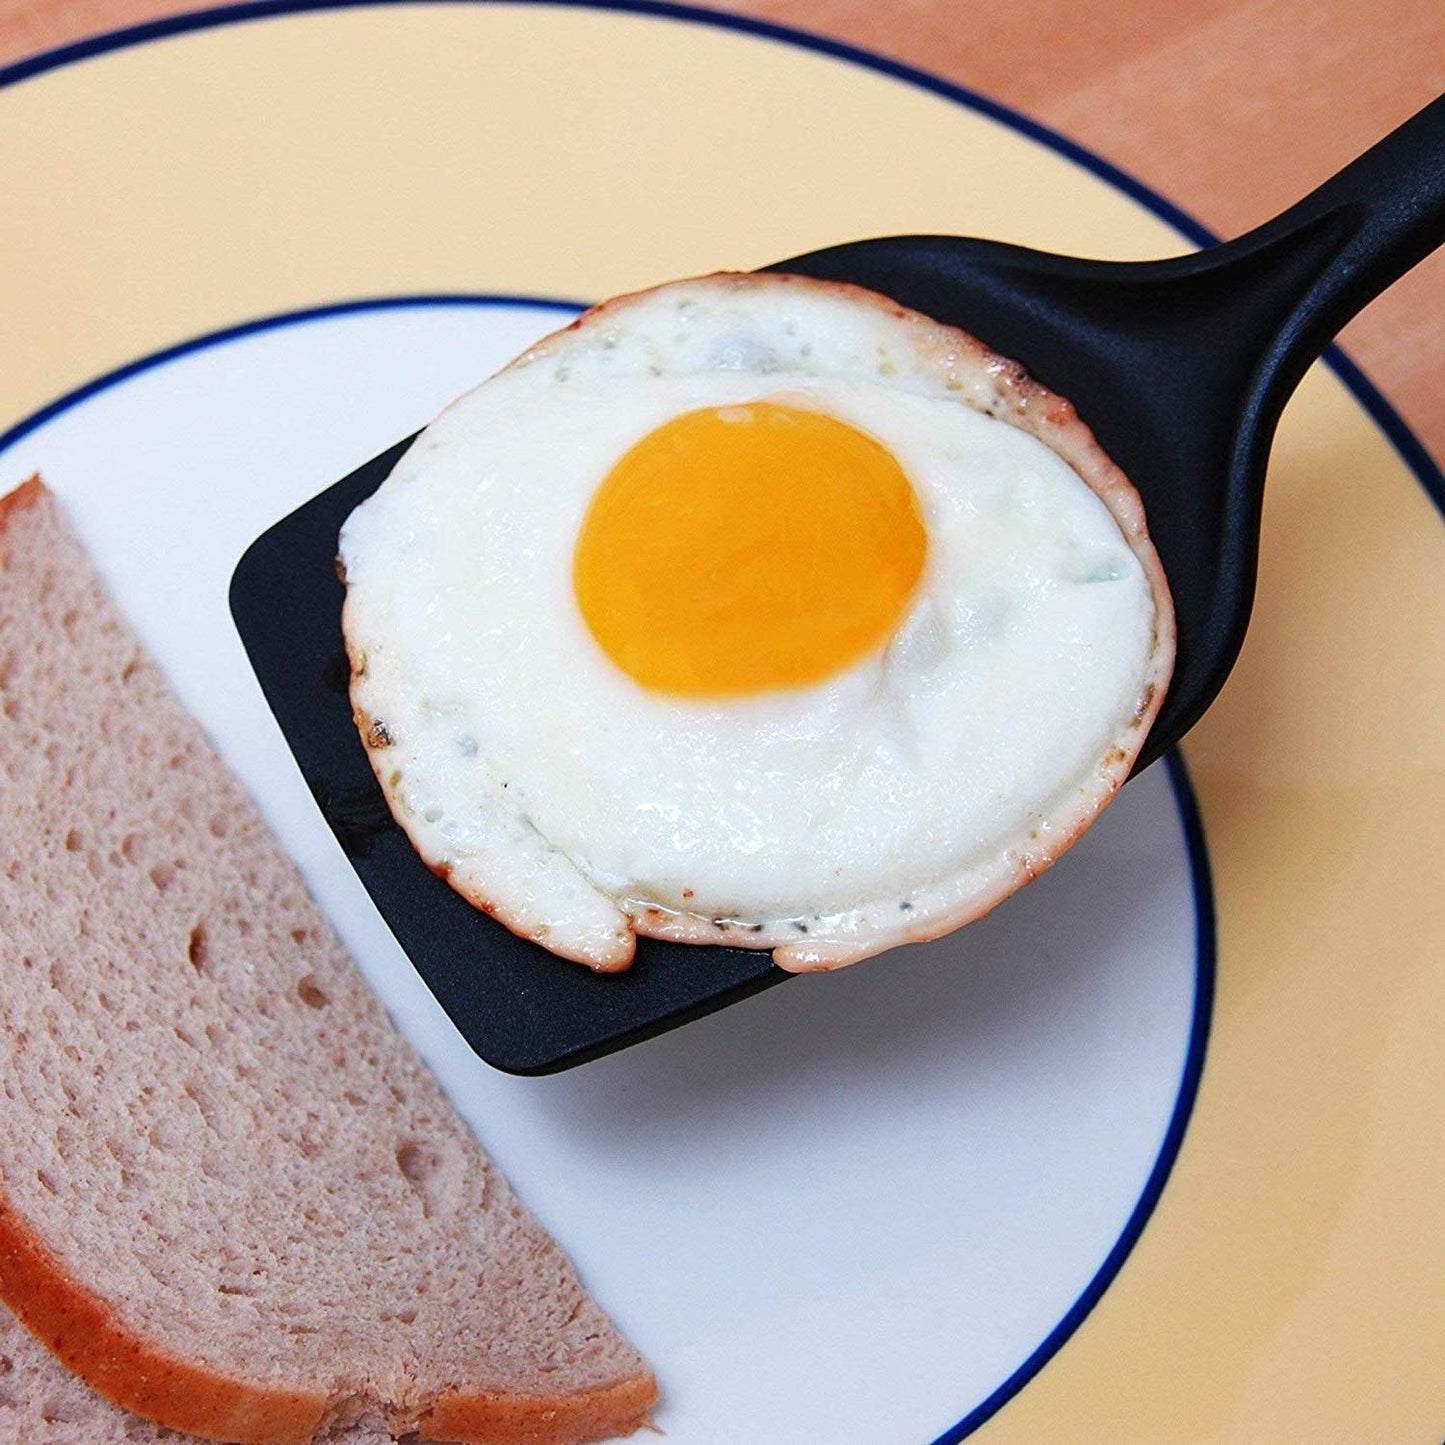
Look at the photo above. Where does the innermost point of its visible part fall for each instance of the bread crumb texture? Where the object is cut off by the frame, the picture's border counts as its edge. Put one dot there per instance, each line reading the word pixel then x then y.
pixel 231 1197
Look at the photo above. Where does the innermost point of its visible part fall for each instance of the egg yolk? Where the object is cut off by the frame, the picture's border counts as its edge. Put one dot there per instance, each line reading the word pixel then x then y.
pixel 742 549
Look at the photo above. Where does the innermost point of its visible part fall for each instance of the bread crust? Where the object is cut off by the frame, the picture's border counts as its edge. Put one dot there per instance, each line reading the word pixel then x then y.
pixel 90 1336
pixel 25 495
pixel 488 1419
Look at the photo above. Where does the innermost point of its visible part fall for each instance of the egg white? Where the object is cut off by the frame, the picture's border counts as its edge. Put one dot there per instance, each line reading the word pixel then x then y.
pixel 899 797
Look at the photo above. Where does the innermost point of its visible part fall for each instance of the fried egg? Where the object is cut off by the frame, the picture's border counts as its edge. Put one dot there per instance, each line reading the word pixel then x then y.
pixel 751 610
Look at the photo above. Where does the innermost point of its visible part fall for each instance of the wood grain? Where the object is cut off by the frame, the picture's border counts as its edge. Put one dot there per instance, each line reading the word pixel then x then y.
pixel 1230 108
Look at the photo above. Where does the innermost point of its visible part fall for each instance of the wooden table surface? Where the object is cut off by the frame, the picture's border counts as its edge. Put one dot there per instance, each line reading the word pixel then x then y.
pixel 1229 108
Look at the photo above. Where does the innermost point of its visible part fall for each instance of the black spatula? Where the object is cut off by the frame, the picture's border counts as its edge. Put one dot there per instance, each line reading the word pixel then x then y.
pixel 1181 367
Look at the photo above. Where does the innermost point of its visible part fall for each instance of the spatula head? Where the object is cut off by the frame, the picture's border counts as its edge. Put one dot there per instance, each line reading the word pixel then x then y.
pixel 520 1008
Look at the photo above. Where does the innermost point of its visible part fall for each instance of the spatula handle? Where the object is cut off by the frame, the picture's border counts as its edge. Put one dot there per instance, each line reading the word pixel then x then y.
pixel 1385 212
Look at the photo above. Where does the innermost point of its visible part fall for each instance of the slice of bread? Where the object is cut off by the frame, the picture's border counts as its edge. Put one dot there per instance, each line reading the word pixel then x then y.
pixel 231 1198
